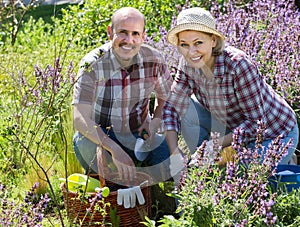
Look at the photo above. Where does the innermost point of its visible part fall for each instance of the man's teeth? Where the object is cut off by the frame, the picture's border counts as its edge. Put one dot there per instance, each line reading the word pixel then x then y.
pixel 127 47
pixel 196 58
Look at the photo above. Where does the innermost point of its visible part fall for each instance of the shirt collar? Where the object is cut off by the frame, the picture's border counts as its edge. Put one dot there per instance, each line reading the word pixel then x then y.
pixel 137 60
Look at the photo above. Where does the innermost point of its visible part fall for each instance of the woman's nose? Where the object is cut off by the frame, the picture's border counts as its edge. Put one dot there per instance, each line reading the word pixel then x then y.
pixel 192 49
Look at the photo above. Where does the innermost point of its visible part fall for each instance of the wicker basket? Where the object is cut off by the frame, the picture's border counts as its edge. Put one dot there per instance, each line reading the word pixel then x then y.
pixel 76 206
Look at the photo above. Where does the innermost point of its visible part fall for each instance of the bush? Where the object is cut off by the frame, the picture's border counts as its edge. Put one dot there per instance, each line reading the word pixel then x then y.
pixel 33 126
pixel 239 194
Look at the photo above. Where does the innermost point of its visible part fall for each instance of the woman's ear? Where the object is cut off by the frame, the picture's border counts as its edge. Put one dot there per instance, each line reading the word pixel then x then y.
pixel 214 40
pixel 109 32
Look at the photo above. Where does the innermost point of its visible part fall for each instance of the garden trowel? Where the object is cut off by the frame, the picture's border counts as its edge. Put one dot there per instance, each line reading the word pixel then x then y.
pixel 142 147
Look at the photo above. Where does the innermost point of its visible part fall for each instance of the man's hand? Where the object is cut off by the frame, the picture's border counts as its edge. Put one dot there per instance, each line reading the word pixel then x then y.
pixel 125 165
pixel 123 162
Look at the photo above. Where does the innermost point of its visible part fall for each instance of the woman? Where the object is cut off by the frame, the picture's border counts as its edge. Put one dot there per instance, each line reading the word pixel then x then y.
pixel 218 88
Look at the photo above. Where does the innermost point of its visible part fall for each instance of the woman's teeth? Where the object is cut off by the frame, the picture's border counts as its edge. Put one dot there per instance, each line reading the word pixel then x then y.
pixel 196 58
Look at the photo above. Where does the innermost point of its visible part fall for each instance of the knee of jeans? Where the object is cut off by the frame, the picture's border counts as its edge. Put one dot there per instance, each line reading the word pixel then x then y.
pixel 186 122
pixel 159 155
pixel 286 159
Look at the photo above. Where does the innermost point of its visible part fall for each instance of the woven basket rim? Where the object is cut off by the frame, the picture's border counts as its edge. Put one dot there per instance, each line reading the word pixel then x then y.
pixel 64 188
pixel 128 216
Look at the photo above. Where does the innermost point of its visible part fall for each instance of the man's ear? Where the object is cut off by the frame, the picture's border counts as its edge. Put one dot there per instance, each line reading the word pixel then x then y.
pixel 109 32
pixel 144 35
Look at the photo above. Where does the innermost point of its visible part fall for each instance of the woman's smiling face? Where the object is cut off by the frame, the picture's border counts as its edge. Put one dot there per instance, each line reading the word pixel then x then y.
pixel 196 47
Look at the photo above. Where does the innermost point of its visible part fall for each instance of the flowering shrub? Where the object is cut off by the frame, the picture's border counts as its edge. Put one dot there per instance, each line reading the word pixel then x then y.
pixel 35 106
pixel 269 32
pixel 239 194
pixel 29 212
pixel 33 117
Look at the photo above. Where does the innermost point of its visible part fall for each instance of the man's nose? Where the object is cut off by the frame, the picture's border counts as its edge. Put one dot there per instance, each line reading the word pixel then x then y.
pixel 129 38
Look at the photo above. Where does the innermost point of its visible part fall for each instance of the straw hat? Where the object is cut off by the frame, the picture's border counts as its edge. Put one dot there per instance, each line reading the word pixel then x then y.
pixel 197 19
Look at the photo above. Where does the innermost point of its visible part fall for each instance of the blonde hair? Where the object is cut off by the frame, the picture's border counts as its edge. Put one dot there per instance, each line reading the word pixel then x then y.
pixel 220 45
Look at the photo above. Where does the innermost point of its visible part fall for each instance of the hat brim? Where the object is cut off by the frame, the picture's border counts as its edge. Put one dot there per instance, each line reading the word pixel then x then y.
pixel 172 34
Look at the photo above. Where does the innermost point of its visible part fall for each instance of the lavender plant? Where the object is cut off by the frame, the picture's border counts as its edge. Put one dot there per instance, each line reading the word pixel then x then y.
pixel 85 209
pixel 29 212
pixel 37 107
pixel 236 195
pixel 269 32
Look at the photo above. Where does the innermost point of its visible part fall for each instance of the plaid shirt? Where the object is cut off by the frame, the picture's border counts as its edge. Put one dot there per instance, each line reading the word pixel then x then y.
pixel 120 97
pixel 237 95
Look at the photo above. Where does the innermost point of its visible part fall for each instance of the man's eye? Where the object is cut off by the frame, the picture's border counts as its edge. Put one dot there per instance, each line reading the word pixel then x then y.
pixel 136 34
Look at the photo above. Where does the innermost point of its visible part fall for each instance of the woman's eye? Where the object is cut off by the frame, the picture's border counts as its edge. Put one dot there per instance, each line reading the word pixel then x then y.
pixel 198 43
pixel 183 45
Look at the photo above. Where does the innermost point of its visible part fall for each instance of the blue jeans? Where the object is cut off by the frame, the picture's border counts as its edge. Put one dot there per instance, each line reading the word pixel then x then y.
pixel 197 124
pixel 156 164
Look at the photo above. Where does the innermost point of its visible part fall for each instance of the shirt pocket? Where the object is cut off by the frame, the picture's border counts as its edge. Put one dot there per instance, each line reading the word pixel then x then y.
pixel 231 102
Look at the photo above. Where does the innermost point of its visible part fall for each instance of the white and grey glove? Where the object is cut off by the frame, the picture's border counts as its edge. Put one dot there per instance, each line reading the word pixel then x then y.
pixel 127 197
pixel 210 153
pixel 176 165
pixel 141 149
pixel 208 156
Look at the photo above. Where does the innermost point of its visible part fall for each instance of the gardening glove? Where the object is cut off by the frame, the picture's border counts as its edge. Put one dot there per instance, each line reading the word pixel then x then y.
pixel 127 197
pixel 176 165
pixel 141 149
pixel 123 197
pixel 138 193
pixel 209 154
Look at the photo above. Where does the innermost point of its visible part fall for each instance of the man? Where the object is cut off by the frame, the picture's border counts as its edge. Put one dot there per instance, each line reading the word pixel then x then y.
pixel 112 96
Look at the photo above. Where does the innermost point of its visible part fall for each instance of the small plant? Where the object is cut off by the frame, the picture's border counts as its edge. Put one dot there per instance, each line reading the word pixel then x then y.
pixel 29 212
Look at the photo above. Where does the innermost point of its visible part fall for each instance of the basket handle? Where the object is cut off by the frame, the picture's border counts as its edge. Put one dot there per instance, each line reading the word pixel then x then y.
pixel 101 161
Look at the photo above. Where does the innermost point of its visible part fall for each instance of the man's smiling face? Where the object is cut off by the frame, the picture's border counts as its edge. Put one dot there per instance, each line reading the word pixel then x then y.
pixel 127 35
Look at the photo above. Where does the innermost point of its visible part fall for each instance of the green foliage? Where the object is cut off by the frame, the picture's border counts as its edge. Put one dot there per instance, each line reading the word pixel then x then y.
pixel 288 208
pixel 89 21
pixel 35 33
pixel 46 12
pixel 115 219
pixel 12 15
pixel 167 221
